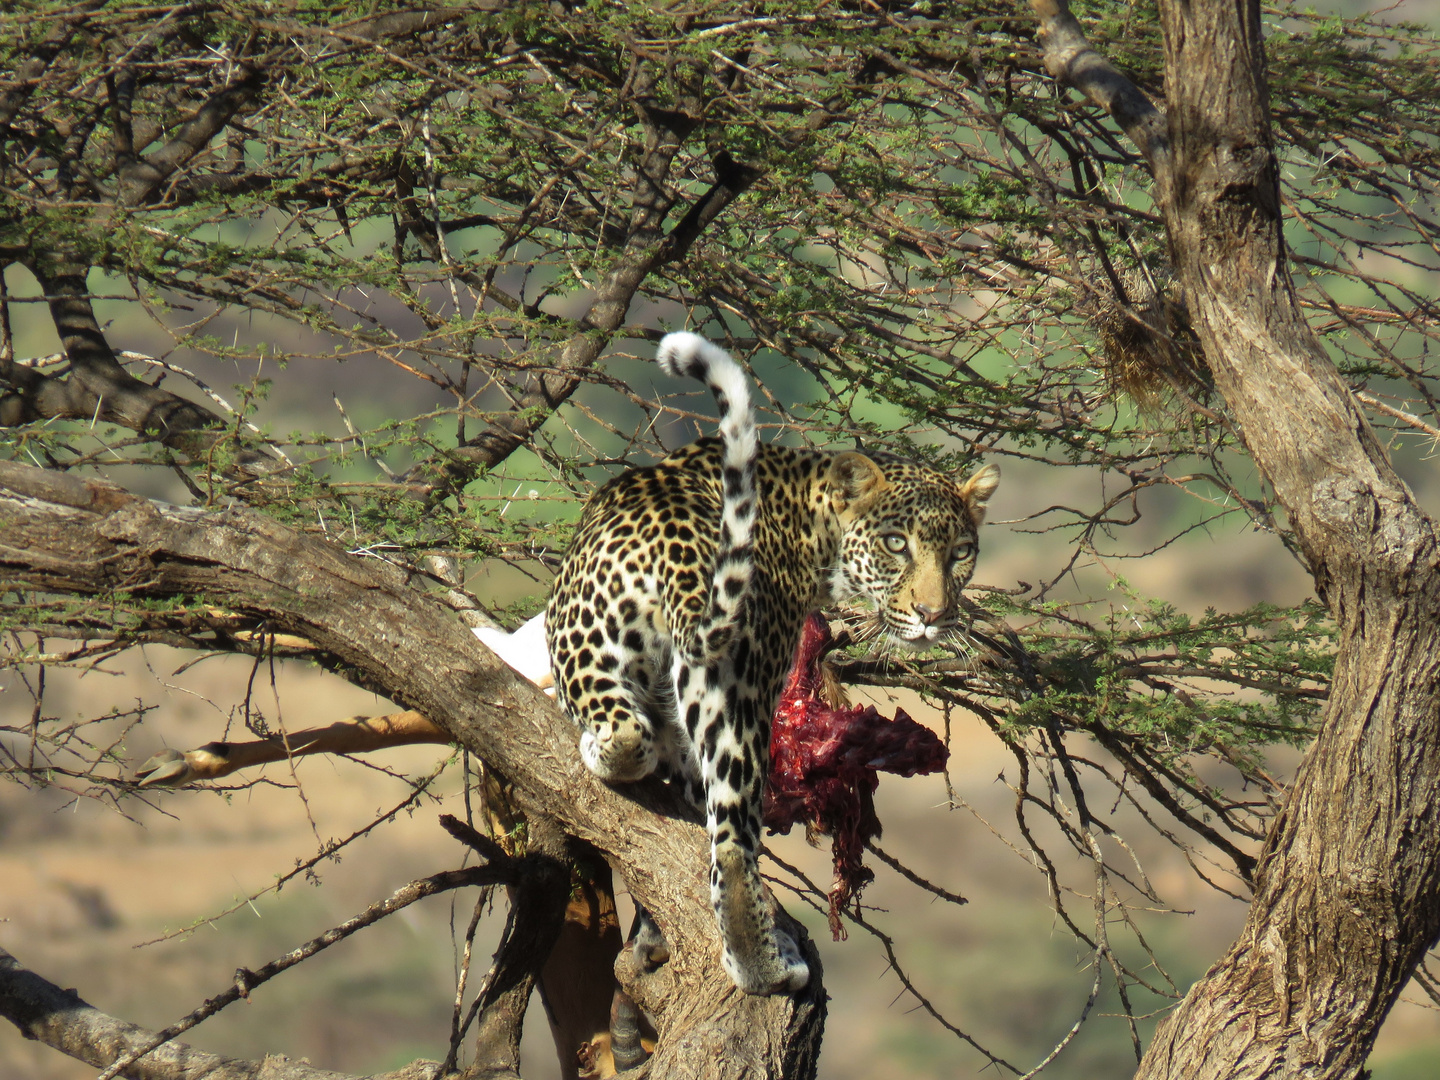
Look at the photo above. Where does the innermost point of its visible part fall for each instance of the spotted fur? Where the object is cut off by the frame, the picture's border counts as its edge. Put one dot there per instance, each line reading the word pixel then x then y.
pixel 678 607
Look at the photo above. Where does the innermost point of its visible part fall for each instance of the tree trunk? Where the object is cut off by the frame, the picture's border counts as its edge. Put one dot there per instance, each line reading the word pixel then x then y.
pixel 1347 889
pixel 64 534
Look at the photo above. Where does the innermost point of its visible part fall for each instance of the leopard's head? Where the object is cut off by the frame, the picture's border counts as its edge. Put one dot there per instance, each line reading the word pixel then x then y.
pixel 908 539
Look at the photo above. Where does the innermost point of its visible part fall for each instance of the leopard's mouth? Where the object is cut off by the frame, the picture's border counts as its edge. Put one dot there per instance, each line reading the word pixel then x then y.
pixel 877 621
pixel 918 635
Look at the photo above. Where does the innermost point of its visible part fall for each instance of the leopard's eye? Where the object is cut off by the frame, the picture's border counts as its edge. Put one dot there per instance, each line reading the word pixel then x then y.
pixel 962 551
pixel 894 543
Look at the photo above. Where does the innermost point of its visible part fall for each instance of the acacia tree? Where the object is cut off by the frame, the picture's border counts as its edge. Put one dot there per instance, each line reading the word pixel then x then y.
pixel 924 241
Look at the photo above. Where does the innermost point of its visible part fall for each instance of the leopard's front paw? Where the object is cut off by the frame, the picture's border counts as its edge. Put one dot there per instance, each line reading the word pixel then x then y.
pixel 619 751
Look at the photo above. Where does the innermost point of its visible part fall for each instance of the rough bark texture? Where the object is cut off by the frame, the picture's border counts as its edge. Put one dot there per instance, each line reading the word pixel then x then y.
pixel 66 534
pixel 1347 889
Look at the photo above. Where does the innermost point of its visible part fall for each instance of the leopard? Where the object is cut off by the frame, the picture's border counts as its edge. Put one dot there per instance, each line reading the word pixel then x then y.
pixel 677 607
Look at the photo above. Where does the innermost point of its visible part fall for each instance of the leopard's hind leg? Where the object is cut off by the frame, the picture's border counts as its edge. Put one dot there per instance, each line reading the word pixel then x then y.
pixel 730 735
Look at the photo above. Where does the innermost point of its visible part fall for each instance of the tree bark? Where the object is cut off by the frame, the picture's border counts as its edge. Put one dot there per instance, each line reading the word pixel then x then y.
pixel 1347 888
pixel 61 533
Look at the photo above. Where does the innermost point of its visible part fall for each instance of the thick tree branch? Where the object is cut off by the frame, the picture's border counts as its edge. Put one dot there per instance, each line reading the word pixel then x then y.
pixel 539 891
pixel 97 386
pixel 141 177
pixel 1070 59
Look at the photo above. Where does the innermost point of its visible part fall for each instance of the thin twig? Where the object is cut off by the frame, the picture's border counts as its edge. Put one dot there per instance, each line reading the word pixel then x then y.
pixel 246 980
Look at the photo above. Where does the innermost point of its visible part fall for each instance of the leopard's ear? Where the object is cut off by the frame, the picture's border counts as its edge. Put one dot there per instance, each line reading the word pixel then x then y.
pixel 977 489
pixel 854 481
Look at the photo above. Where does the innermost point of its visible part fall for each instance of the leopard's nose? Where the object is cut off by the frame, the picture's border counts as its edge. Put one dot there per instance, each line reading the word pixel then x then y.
pixel 928 615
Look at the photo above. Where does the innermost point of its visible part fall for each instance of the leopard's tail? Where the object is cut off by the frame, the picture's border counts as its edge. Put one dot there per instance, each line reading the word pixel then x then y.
pixel 690 354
